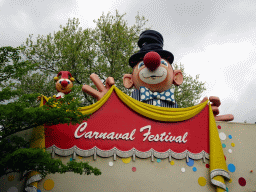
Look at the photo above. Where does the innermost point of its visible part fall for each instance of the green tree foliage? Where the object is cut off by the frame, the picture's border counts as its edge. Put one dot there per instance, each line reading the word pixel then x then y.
pixel 18 114
pixel 11 65
pixel 190 91
pixel 104 50
pixel 116 42
pixel 17 157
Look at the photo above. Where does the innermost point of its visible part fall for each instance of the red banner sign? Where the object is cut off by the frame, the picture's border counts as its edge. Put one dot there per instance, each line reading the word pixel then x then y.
pixel 116 125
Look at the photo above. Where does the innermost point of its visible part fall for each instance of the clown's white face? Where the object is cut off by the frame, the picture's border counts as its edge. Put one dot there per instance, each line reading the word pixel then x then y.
pixel 153 77
pixel 158 80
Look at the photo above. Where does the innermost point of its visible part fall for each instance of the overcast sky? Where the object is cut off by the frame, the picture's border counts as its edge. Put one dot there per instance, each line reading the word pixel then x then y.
pixel 213 38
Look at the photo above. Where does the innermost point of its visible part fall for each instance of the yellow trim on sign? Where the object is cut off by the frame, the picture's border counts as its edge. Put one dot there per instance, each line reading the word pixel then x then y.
pixel 150 111
pixel 217 159
pixel 160 113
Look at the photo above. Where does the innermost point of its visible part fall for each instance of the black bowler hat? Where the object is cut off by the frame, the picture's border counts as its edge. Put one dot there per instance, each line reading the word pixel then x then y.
pixel 150 40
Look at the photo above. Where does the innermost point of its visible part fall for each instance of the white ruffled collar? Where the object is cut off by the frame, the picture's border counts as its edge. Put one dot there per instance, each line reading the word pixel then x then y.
pixel 60 94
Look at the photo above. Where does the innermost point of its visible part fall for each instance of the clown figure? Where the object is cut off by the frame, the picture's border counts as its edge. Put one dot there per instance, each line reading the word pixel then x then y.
pixel 64 83
pixel 153 74
pixel 152 77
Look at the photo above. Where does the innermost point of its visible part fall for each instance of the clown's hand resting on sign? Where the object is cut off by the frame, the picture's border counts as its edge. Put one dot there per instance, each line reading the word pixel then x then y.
pixel 153 76
pixel 97 82
pixel 63 85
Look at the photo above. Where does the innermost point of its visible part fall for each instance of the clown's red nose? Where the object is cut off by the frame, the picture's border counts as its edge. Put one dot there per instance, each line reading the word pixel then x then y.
pixel 152 60
pixel 64 83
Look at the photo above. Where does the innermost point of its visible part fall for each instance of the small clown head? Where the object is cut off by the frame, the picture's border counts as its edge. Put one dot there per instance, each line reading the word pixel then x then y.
pixel 64 83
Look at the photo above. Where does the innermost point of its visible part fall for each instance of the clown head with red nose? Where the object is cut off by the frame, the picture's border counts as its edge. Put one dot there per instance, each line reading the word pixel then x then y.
pixel 63 86
pixel 64 83
pixel 153 74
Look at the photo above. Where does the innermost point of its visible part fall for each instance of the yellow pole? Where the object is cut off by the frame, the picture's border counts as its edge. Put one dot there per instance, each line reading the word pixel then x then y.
pixel 217 160
pixel 37 141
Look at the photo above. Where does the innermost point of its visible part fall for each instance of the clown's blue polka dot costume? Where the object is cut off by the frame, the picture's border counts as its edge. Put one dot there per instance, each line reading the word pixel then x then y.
pixel 163 99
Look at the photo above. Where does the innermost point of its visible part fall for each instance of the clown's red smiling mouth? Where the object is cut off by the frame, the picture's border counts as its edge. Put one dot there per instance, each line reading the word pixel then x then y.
pixel 152 76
